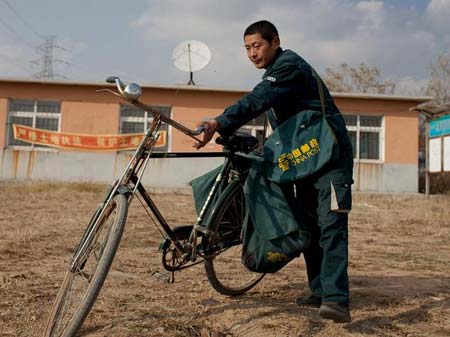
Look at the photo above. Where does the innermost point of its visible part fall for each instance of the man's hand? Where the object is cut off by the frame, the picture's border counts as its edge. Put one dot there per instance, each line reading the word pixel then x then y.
pixel 210 127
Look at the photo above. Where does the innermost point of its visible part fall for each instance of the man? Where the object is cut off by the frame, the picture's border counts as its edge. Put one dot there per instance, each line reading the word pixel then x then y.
pixel 324 198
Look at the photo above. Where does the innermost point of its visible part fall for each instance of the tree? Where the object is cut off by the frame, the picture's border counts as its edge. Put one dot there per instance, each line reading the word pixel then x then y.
pixel 439 83
pixel 438 87
pixel 363 79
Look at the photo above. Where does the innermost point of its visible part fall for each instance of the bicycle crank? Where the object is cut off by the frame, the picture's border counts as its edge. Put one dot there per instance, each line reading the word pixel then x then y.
pixel 174 259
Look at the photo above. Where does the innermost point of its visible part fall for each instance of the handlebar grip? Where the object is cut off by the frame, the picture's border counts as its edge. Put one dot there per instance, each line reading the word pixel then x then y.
pixel 111 79
pixel 199 130
pixel 219 140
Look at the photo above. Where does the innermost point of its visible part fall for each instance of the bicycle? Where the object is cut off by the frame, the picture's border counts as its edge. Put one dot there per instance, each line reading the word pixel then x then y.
pixel 214 239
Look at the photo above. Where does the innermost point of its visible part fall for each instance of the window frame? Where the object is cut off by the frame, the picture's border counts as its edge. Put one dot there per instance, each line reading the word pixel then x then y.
pixel 374 129
pixel 34 115
pixel 255 125
pixel 146 120
pixel 252 129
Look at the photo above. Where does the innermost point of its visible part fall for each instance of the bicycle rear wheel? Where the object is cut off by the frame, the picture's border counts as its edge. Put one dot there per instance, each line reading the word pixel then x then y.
pixel 223 265
pixel 80 288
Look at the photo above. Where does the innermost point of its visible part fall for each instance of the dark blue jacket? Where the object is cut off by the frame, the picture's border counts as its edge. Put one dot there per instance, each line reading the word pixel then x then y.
pixel 287 87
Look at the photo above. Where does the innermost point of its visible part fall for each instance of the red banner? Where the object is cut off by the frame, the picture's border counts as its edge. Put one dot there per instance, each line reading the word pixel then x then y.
pixel 82 142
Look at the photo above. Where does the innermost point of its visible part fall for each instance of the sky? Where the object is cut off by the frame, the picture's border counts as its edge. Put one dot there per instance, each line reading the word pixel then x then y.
pixel 135 39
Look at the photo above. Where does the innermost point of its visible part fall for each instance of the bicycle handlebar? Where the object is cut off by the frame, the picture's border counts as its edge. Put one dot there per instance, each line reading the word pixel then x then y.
pixel 199 130
pixel 111 79
pixel 122 93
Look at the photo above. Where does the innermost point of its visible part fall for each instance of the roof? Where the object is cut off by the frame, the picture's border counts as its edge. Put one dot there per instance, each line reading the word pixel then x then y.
pixel 215 89
pixel 432 109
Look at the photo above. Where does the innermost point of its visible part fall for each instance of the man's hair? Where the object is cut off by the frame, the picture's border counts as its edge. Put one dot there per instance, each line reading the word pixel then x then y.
pixel 265 28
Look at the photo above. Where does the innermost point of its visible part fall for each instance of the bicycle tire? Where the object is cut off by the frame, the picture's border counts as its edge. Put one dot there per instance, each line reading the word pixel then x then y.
pixel 223 265
pixel 109 234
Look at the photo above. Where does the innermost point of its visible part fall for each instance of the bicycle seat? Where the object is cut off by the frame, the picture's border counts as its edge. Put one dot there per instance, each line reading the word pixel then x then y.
pixel 238 141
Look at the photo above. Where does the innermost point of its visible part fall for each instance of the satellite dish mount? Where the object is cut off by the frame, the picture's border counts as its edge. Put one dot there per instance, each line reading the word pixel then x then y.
pixel 191 56
pixel 191 73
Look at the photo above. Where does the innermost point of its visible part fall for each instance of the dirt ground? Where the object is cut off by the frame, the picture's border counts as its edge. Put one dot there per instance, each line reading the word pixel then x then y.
pixel 399 271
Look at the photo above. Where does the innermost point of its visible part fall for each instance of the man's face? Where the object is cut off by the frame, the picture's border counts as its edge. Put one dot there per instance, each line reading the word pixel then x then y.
pixel 260 51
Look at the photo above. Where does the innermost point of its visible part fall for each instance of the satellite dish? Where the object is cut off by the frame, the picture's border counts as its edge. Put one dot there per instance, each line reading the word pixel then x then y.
pixel 191 56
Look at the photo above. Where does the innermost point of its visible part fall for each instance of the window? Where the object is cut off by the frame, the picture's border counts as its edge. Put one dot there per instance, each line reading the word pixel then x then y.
pixel 135 120
pixel 366 135
pixel 255 128
pixel 36 114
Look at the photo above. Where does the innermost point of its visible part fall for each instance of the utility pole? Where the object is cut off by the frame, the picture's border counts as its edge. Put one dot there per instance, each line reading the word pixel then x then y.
pixel 47 60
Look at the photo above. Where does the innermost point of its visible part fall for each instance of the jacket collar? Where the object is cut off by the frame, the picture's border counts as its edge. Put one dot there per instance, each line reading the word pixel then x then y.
pixel 277 55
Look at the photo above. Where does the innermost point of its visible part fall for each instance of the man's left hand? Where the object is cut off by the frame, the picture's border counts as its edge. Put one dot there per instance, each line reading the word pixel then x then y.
pixel 210 128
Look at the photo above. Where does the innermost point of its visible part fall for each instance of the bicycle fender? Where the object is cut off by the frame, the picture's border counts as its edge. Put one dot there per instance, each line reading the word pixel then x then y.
pixel 125 190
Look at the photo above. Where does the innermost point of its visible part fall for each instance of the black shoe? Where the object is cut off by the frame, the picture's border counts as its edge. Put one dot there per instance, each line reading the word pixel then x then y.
pixel 335 311
pixel 311 301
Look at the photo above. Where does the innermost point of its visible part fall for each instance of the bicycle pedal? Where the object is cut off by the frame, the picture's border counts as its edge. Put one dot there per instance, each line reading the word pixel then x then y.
pixel 164 277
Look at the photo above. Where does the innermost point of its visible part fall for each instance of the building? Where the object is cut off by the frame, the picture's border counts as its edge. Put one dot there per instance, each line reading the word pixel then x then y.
pixel 383 130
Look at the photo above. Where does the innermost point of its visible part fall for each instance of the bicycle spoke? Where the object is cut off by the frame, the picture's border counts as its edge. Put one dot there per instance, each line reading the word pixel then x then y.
pixel 81 286
pixel 223 266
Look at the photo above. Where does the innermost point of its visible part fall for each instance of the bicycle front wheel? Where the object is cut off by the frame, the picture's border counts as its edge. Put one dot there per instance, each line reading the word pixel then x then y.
pixel 223 265
pixel 80 288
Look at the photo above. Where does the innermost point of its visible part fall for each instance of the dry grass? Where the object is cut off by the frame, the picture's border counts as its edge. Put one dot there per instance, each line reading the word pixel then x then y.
pixel 399 271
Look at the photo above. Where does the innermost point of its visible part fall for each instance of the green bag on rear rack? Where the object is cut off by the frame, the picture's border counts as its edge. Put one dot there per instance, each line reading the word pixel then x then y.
pixel 272 236
pixel 201 187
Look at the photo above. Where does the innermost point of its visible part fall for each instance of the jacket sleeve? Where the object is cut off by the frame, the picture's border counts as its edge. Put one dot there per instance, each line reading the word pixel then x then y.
pixel 278 84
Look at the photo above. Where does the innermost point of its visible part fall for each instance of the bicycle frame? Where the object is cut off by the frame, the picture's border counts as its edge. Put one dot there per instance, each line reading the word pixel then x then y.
pixel 218 228
pixel 130 181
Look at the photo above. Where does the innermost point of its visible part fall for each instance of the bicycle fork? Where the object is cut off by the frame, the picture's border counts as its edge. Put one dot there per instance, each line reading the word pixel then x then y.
pixel 133 172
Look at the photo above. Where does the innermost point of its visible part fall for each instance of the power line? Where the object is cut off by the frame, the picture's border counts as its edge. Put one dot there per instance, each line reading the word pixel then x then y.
pixel 14 35
pixel 21 18
pixel 10 60
pixel 46 49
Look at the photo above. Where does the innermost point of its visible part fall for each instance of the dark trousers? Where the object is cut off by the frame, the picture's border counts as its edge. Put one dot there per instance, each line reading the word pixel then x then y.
pixel 322 202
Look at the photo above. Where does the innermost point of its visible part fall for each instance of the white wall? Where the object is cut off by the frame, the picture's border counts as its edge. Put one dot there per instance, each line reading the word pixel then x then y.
pixel 171 172
pixel 99 167
pixel 382 177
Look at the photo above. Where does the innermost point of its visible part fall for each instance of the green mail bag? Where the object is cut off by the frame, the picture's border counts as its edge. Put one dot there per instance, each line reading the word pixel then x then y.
pixel 201 187
pixel 272 235
pixel 299 147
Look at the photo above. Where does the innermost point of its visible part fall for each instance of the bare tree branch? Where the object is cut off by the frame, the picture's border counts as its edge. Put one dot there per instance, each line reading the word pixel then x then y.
pixel 439 83
pixel 363 79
